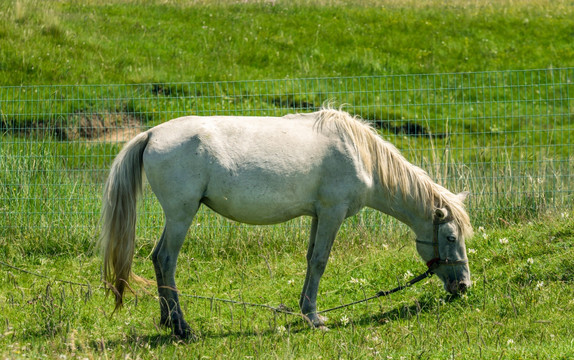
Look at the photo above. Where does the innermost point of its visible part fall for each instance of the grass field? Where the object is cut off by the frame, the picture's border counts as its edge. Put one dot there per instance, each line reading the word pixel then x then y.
pixel 522 262
pixel 118 41
pixel 519 308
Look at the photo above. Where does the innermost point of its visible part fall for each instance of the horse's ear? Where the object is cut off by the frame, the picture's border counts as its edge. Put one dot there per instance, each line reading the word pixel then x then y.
pixel 463 196
pixel 441 214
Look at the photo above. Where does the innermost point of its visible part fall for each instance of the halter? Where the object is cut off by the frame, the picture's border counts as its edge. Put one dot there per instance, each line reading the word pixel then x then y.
pixel 435 262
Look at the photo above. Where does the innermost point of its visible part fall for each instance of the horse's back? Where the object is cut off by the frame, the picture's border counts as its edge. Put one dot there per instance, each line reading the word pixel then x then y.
pixel 251 169
pixel 238 145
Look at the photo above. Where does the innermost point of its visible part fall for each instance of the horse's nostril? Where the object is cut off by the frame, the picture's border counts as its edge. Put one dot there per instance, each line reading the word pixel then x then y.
pixel 457 287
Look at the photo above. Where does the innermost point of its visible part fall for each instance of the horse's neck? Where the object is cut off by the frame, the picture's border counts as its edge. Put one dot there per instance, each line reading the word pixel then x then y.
pixel 404 209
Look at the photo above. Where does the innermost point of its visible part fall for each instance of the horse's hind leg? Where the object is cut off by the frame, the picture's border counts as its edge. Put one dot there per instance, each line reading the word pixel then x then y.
pixel 164 259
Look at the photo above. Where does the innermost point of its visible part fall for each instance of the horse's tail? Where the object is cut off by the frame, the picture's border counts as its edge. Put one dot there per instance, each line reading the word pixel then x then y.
pixel 118 219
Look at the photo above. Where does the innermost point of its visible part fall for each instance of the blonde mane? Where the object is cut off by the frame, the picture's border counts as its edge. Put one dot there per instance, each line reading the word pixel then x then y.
pixel 394 171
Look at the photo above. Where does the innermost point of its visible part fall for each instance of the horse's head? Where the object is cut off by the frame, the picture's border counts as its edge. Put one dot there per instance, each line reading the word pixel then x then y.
pixel 444 251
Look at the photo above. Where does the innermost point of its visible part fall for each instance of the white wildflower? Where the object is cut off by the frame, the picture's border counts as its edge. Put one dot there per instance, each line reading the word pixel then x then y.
pixel 503 241
pixel 281 330
pixel 344 320
pixel 374 338
pixel 290 282
pixel 361 282
pixel 509 342
pixel 539 285
pixel 472 251
pixel 530 261
pixel 408 275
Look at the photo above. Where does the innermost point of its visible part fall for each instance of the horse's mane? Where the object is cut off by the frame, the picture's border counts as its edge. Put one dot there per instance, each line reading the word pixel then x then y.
pixel 394 171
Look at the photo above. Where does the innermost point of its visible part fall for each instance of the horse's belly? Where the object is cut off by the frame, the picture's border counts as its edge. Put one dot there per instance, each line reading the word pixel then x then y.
pixel 258 213
pixel 260 202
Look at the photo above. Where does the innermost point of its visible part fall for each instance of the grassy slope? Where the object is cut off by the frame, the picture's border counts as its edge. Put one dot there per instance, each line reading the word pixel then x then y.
pixel 72 42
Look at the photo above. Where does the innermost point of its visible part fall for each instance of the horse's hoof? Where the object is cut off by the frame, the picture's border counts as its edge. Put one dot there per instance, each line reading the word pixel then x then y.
pixel 317 321
pixel 320 321
pixel 184 332
pixel 187 336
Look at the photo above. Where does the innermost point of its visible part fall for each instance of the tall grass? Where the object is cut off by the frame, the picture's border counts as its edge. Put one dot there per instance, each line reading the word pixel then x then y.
pixel 501 135
pixel 502 190
pixel 51 190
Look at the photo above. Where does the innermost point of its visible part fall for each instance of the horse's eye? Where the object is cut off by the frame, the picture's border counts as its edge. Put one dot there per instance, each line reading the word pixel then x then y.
pixel 451 238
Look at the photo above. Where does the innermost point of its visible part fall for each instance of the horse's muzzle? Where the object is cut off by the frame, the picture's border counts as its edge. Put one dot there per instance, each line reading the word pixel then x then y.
pixel 457 287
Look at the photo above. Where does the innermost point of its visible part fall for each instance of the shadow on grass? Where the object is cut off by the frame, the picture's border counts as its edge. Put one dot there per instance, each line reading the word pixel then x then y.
pixel 420 306
pixel 158 340
pixel 292 325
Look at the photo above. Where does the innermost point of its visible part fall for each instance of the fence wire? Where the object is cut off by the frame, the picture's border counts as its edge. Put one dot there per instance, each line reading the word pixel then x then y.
pixel 505 136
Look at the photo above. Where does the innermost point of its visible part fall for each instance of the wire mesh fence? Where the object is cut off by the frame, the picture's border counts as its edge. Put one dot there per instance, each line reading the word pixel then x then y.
pixel 504 136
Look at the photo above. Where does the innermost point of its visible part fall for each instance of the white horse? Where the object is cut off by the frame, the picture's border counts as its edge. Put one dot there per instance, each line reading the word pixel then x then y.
pixel 267 170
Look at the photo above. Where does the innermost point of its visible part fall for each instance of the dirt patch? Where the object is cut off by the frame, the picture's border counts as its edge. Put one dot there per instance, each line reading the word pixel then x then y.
pixel 98 127
pixel 102 127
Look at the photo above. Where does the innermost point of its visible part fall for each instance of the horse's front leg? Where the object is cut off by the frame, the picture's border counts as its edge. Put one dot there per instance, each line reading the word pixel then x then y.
pixel 164 259
pixel 317 257
pixel 310 248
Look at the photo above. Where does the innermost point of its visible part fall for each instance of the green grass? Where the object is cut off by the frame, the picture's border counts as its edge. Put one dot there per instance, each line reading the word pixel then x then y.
pixel 171 54
pixel 513 152
pixel 520 306
pixel 118 41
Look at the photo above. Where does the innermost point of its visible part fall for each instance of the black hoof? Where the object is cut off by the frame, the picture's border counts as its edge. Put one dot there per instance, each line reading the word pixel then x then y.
pixel 184 332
